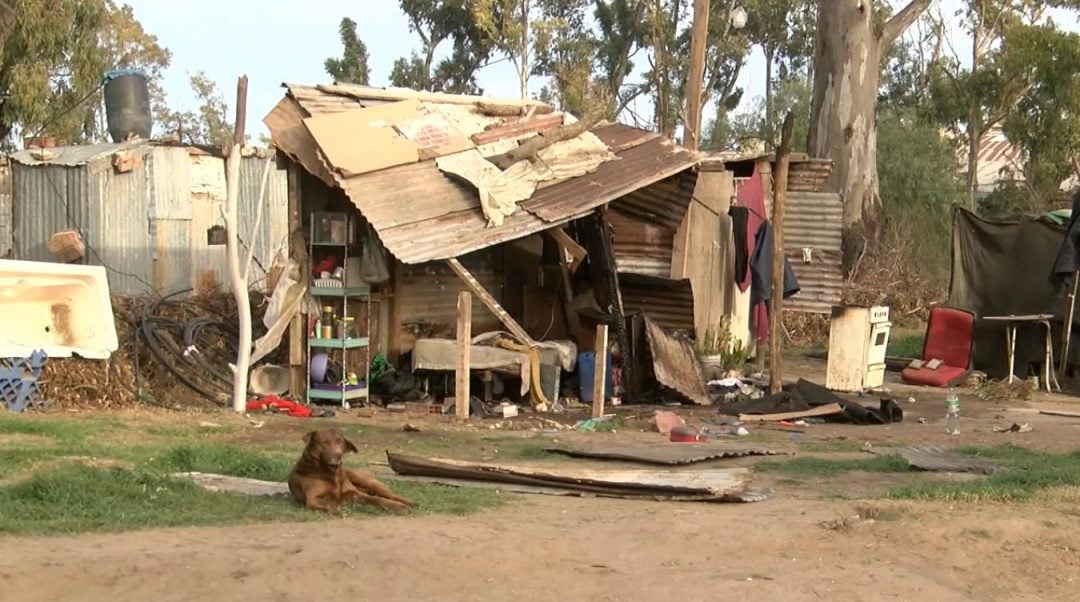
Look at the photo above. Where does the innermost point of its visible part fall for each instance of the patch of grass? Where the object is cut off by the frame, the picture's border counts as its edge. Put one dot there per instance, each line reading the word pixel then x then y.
pixel 63 430
pixel 224 459
pixel 822 467
pixel 909 345
pixel 1027 472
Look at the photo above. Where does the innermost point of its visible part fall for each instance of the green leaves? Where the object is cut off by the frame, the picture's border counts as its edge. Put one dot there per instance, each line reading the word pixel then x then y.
pixel 352 67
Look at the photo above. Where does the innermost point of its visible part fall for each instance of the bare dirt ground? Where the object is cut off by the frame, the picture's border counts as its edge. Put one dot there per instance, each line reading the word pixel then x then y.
pixel 803 544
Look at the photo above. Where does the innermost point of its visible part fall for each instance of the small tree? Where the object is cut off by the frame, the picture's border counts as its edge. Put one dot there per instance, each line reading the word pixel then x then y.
pixel 352 67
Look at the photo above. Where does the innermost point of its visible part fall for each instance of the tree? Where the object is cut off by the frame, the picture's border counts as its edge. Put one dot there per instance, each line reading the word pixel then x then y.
pixel 505 24
pixel 352 67
pixel 436 22
pixel 564 49
pixel 851 42
pixel 1045 121
pixel 750 129
pixel 53 58
pixel 209 124
pixel 781 29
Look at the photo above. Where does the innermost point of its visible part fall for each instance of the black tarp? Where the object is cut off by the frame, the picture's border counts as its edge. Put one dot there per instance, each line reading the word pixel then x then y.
pixel 1068 259
pixel 1002 268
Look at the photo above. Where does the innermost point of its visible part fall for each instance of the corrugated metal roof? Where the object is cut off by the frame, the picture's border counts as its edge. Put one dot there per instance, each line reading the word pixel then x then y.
pixel 71 156
pixel 664 202
pixel 641 247
pixel 423 215
pixel 815 221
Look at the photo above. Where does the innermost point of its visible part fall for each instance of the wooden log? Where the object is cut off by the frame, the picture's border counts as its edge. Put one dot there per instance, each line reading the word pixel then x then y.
pixel 464 344
pixel 776 315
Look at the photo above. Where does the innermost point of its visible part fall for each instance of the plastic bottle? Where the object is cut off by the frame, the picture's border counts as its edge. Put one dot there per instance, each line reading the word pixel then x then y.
pixel 952 413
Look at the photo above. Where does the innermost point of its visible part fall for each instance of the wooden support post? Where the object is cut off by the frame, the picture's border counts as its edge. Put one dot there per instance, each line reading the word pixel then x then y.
pixel 600 372
pixel 464 342
pixel 489 301
pixel 1066 333
pixel 699 42
pixel 776 311
pixel 237 281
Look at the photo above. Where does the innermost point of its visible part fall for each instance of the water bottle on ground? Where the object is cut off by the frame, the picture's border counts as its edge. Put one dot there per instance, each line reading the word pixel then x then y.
pixel 952 413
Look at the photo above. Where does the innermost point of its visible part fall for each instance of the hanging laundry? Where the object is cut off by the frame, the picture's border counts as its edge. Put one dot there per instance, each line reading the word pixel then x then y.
pixel 751 196
pixel 742 244
pixel 761 281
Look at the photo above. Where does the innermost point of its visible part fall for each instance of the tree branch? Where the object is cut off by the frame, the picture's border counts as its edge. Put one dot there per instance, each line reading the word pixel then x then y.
pixel 896 26
pixel 528 149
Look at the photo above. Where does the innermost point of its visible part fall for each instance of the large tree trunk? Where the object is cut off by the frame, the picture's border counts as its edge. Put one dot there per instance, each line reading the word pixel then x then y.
pixel 847 66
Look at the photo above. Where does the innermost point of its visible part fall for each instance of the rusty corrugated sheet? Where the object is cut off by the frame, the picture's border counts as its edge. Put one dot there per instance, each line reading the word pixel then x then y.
pixel 675 364
pixel 663 202
pixel 940 459
pixel 669 303
pixel 636 167
pixel 815 221
pixel 429 291
pixel 5 208
pixel 641 247
pixel 422 215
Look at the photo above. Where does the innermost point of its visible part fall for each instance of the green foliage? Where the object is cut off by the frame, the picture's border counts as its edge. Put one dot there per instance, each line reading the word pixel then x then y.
pixel 53 56
pixel 352 67
pixel 748 129
pixel 1045 122
pixel 209 124
pixel 823 468
pixel 919 185
pixel 436 22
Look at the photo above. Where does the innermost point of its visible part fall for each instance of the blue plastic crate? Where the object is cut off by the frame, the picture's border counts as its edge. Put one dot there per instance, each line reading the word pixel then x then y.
pixel 19 379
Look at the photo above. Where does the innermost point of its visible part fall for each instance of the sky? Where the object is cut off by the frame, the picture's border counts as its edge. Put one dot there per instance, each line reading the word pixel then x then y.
pixel 276 41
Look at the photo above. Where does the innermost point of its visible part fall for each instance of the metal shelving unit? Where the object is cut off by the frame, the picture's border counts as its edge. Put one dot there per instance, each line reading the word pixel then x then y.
pixel 337 232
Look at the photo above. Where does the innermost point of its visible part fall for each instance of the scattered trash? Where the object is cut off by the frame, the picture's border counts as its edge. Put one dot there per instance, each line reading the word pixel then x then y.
pixel 911 400
pixel 591 425
pixel 998 390
pixel 210 425
pixel 665 421
pixel 922 420
pixel 686 434
pixel 1015 428
pixel 410 428
pixel 509 410
pixel 273 403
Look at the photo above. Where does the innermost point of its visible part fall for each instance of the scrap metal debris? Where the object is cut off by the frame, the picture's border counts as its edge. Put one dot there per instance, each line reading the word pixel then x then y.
pixel 938 459
pixel 707 485
pixel 230 484
pixel 666 454
pixel 1015 428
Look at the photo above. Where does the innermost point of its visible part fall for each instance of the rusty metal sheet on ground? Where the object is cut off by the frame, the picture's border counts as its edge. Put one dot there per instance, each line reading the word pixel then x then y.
pixel 710 485
pixel 939 459
pixel 675 364
pixel 231 484
pixel 672 454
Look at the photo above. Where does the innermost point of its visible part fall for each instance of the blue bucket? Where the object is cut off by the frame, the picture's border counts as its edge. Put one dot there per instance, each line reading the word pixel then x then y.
pixel 586 374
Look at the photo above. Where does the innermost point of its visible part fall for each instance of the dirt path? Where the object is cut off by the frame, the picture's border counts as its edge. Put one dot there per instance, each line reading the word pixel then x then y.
pixel 544 548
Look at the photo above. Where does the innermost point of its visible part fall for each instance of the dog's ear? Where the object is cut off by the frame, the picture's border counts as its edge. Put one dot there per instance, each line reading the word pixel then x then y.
pixel 350 447
pixel 308 437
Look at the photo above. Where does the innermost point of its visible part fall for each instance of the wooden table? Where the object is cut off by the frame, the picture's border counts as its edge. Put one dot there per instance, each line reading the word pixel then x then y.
pixel 1049 379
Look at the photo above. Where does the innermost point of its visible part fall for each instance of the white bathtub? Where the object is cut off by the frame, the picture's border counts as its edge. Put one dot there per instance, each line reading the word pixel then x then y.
pixel 63 309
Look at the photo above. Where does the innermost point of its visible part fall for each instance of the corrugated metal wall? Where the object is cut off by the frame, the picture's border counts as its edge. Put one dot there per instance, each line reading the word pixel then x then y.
pixel 641 247
pixel 110 210
pixel 147 226
pixel 5 208
pixel 429 291
pixel 815 221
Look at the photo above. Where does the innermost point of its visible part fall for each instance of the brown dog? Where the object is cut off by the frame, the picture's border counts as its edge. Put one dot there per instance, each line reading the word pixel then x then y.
pixel 319 482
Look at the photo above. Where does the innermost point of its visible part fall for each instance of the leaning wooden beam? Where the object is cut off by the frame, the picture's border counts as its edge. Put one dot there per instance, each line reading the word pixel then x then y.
pixel 464 341
pixel 577 251
pixel 489 301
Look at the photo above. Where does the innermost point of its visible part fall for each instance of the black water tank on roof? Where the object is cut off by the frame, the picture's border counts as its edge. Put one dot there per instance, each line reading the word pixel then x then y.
pixel 127 105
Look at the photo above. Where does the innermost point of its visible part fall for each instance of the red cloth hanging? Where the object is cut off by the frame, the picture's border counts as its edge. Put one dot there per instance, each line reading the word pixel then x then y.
pixel 752 196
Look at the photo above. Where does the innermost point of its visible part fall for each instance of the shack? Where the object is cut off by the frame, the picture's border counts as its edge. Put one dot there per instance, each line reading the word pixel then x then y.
pixel 144 211
pixel 536 241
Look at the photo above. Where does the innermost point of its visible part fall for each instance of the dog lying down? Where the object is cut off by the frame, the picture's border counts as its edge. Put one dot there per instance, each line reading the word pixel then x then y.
pixel 320 482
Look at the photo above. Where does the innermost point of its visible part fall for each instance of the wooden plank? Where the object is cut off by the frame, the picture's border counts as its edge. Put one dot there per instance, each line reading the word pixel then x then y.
pixel 600 371
pixel 826 410
pixel 569 244
pixel 297 327
pixel 464 344
pixel 490 302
